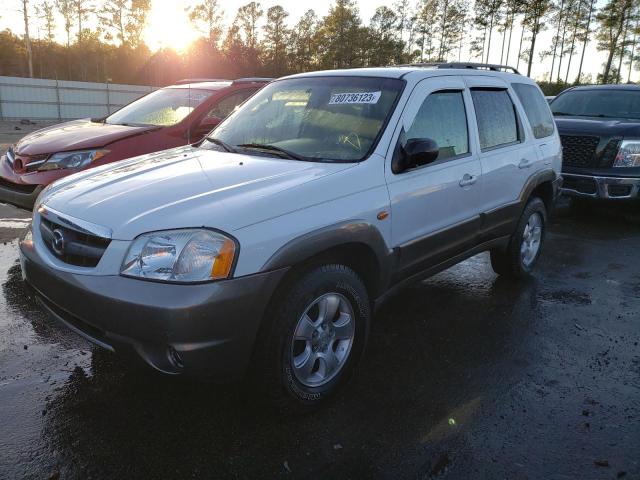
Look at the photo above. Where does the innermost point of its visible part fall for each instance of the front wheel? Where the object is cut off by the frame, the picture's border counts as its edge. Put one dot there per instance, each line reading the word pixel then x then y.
pixel 525 245
pixel 317 335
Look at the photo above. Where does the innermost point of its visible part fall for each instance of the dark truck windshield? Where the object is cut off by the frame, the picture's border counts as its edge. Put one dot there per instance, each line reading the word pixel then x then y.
pixel 598 102
pixel 314 118
pixel 164 107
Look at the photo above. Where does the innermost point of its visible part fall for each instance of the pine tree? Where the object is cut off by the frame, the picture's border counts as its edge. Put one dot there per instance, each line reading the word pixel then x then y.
pixel 274 44
pixel 534 13
pixel 303 39
pixel 612 20
pixel 207 16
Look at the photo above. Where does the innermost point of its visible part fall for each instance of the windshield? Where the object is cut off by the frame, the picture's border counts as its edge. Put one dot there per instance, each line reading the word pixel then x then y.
pixel 328 118
pixel 598 103
pixel 164 107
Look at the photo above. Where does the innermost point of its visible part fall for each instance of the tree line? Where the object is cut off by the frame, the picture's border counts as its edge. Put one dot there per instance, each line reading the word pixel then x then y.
pixel 261 42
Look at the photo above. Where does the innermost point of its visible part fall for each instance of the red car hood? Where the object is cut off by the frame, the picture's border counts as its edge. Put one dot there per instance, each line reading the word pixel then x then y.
pixel 75 135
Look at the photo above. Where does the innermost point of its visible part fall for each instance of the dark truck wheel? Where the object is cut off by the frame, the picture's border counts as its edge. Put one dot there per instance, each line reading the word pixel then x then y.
pixel 525 245
pixel 317 336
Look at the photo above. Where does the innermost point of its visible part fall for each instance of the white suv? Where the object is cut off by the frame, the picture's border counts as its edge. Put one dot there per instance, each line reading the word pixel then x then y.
pixel 264 249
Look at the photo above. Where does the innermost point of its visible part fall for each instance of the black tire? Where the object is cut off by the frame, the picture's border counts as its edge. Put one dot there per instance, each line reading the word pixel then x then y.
pixel 273 370
pixel 509 262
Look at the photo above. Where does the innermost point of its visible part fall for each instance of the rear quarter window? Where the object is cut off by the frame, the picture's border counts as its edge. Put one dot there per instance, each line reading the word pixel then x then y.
pixel 496 116
pixel 536 108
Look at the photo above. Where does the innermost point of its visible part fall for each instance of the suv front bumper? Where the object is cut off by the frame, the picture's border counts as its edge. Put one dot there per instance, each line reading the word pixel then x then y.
pixel 591 186
pixel 205 330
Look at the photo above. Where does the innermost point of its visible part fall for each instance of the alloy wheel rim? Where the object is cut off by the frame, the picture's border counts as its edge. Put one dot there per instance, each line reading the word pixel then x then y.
pixel 322 340
pixel 531 239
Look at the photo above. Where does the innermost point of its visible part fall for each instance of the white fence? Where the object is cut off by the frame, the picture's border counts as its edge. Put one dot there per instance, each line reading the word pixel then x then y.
pixel 34 98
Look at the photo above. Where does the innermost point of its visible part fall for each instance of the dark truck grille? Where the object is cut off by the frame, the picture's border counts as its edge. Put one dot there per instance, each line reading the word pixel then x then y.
pixel 578 150
pixel 582 151
pixel 71 246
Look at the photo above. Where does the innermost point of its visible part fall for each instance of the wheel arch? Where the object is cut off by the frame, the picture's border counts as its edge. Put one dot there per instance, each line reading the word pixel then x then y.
pixel 540 185
pixel 356 244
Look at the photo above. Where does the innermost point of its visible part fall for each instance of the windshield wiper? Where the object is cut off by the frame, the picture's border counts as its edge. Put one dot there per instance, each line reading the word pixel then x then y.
pixel 272 148
pixel 222 144
pixel 566 114
pixel 131 124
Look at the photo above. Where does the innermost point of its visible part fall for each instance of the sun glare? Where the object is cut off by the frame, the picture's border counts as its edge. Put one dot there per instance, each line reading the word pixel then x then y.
pixel 168 26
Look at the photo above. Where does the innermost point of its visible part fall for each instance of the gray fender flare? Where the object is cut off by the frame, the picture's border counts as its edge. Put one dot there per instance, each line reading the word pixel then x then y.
pixel 355 232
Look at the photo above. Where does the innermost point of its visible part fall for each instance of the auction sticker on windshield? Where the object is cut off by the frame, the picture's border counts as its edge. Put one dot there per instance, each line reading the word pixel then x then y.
pixel 369 98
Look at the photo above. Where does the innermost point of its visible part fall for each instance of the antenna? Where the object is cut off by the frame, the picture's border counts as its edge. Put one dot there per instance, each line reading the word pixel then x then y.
pixel 190 125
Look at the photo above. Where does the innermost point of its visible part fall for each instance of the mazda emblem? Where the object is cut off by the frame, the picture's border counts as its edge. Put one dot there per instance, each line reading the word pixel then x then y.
pixel 58 242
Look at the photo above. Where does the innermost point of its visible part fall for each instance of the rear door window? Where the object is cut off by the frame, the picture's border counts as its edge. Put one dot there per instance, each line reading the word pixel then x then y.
pixel 227 105
pixel 496 117
pixel 536 109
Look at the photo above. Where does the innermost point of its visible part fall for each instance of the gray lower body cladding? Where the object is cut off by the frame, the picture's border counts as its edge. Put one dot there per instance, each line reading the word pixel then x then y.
pixel 205 330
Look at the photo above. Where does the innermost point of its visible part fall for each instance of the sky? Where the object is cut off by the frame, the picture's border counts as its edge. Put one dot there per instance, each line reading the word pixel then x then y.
pixel 168 26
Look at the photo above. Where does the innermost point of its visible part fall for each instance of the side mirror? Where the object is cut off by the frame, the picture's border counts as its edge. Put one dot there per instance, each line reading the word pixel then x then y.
pixel 415 153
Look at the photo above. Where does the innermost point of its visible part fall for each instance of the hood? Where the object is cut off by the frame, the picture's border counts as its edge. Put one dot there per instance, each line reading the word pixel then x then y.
pixel 184 187
pixel 76 135
pixel 601 127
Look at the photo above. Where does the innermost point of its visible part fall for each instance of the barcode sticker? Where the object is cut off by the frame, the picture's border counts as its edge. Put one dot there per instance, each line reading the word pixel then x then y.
pixel 367 98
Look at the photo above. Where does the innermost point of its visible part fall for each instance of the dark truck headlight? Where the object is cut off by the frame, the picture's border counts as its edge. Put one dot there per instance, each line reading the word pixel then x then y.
pixel 628 154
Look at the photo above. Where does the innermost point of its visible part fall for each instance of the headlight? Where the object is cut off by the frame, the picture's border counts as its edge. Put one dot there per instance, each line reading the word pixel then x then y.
pixel 181 256
pixel 62 160
pixel 628 154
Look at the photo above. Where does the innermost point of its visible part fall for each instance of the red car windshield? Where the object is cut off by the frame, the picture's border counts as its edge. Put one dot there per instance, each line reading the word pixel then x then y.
pixel 163 108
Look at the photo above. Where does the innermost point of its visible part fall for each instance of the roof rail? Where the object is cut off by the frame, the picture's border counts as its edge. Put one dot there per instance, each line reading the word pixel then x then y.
pixel 184 81
pixel 472 65
pixel 253 80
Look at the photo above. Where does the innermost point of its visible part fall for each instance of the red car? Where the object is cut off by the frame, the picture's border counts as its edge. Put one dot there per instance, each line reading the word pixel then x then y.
pixel 170 117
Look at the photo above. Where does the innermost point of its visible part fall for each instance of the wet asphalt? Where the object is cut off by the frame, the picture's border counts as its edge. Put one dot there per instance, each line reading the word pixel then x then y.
pixel 467 376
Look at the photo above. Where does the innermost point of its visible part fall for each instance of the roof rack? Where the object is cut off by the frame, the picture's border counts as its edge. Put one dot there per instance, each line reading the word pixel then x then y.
pixel 184 81
pixel 471 65
pixel 253 80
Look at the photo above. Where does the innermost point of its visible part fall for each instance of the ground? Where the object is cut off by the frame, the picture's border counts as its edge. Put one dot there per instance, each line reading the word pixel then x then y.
pixel 467 376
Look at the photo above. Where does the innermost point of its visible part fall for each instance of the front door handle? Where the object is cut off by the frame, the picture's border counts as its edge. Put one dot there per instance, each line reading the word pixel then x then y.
pixel 525 163
pixel 468 180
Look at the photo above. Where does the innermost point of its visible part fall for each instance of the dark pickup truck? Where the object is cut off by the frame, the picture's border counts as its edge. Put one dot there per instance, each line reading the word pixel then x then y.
pixel 599 128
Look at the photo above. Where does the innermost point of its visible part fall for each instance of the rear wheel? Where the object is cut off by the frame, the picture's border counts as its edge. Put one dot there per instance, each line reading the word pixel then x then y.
pixel 525 245
pixel 316 338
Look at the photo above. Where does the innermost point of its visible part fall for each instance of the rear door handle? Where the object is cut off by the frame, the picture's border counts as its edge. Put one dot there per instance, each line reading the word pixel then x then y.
pixel 468 180
pixel 525 163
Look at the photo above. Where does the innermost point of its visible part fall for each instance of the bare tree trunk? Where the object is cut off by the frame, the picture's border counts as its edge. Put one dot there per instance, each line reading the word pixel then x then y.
pixel 534 34
pixel 489 40
pixel 633 48
pixel 513 19
pixel 571 51
pixel 27 39
pixel 484 39
pixel 504 38
pixel 622 46
pixel 586 39
pixel 520 47
pixel 564 32
pixel 555 41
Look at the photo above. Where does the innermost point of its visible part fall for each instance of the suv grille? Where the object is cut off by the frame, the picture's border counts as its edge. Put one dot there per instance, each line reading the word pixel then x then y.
pixel 71 246
pixel 579 150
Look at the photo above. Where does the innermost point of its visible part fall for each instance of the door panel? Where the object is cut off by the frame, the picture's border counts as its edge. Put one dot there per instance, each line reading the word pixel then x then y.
pixel 434 208
pixel 507 161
